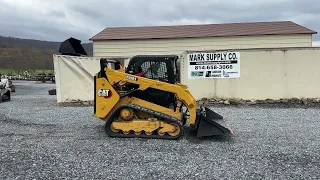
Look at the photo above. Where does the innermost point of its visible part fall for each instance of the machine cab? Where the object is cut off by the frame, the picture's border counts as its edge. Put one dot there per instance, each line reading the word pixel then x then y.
pixel 157 67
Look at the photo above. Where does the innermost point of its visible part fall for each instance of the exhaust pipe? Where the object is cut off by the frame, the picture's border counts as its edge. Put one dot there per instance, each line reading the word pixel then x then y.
pixel 209 123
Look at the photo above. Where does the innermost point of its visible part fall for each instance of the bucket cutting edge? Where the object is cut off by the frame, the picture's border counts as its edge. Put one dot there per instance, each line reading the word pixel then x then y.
pixel 210 123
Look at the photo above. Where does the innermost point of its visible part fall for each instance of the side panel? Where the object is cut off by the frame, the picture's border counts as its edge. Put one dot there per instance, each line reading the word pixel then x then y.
pixel 105 97
pixel 265 74
pixel 128 48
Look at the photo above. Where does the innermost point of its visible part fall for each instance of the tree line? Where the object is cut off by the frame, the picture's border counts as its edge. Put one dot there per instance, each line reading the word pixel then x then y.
pixel 24 54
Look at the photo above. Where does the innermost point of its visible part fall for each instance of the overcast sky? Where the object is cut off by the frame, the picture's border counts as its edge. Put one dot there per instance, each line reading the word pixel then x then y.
pixel 57 20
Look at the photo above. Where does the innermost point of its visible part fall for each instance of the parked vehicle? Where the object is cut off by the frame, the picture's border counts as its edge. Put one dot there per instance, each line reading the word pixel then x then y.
pixel 5 91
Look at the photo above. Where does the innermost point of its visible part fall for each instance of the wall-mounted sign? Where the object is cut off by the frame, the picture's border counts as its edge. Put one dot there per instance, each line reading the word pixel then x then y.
pixel 214 65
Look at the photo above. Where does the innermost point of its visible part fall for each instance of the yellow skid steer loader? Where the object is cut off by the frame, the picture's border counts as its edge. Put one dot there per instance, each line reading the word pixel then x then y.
pixel 146 100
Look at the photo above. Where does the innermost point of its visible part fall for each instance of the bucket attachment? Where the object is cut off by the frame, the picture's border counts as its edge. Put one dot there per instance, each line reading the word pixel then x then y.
pixel 72 47
pixel 210 123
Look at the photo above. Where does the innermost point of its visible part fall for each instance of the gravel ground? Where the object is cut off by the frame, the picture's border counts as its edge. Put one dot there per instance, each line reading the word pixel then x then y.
pixel 40 140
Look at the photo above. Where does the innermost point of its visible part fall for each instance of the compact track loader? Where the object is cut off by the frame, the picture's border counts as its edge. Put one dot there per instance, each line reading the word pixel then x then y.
pixel 147 100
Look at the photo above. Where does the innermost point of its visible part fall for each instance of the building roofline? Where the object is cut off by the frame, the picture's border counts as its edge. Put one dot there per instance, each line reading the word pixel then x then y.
pixel 202 30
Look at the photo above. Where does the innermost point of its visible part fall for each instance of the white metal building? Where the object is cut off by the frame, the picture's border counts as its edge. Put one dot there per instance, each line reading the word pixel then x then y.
pixel 130 41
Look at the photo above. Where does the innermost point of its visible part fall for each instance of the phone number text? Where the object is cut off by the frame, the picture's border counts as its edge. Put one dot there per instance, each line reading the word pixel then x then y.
pixel 213 67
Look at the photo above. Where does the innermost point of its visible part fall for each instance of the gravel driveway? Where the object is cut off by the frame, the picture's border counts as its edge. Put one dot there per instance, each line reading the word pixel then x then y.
pixel 40 140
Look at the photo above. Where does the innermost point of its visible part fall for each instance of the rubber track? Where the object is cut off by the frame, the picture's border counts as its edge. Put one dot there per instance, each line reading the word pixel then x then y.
pixel 168 119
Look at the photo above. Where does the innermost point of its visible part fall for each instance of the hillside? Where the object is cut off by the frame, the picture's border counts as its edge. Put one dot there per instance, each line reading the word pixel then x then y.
pixel 28 54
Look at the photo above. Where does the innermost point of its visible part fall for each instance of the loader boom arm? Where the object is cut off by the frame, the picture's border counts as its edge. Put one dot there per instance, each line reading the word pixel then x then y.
pixel 183 94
